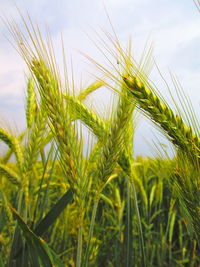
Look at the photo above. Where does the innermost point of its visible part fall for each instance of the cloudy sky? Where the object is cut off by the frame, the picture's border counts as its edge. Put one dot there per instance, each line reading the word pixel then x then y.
pixel 172 25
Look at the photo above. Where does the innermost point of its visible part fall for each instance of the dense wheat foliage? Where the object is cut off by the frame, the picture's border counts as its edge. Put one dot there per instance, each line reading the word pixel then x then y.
pixel 61 206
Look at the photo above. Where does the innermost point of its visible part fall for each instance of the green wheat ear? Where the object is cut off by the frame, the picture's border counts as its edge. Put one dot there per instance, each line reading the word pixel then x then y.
pixel 186 183
pixel 94 86
pixel 87 116
pixel 60 123
pixel 31 105
pixel 10 174
pixel 14 144
pixel 10 151
pixel 65 134
pixel 181 135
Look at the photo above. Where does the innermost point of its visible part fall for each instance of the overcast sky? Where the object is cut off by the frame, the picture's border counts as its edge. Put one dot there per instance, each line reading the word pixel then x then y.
pixel 173 26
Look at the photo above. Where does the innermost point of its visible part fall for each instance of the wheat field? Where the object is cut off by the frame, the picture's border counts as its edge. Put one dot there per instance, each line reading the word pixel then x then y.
pixel 62 206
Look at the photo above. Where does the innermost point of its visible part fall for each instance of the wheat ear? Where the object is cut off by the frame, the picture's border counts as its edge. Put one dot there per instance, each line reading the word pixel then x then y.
pixel 88 117
pixel 84 93
pixel 99 127
pixel 10 175
pixel 60 123
pixel 70 148
pixel 14 144
pixel 186 184
pixel 10 151
pixel 31 105
pixel 36 136
pixel 180 134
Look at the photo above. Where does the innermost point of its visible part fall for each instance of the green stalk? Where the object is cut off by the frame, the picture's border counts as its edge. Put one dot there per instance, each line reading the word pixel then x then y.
pixel 79 247
pixel 16 240
pixel 144 262
pixel 94 212
pixel 128 253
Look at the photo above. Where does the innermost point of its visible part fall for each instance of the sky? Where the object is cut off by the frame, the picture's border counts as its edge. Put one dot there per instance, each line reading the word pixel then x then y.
pixel 172 25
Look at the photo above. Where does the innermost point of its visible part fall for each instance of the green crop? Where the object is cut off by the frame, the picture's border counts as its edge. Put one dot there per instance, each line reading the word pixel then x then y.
pixel 61 206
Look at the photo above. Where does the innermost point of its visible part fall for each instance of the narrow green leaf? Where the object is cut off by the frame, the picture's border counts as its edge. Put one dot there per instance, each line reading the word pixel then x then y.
pixel 54 213
pixel 51 216
pixel 171 227
pixel 152 194
pixel 39 251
